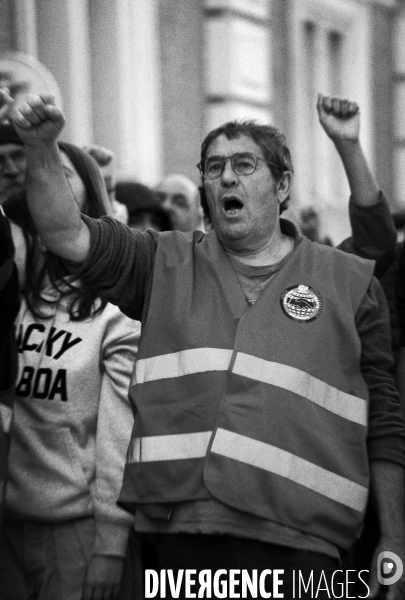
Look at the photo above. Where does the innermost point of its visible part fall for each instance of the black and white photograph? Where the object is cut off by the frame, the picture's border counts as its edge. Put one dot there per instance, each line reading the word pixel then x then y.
pixel 202 299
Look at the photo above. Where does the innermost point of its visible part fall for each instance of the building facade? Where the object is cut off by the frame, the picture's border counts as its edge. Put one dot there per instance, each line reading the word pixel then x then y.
pixel 148 79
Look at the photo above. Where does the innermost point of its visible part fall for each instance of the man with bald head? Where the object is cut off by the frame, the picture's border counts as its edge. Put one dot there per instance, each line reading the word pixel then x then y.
pixel 181 201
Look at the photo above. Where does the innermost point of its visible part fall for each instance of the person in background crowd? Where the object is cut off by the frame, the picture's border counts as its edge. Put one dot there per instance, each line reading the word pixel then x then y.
pixel 9 306
pixel 262 390
pixel 106 161
pixel 12 177
pixel 310 226
pixel 400 297
pixel 389 285
pixel 144 208
pixel 63 536
pixel 12 162
pixel 180 199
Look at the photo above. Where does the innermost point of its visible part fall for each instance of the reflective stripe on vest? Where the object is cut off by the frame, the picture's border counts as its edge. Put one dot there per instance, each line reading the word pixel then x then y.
pixel 200 360
pixel 251 452
pixel 179 446
pixel 305 385
pixel 177 364
pixel 277 461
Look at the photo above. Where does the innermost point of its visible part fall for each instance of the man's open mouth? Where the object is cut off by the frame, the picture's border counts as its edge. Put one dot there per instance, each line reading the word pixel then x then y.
pixel 232 206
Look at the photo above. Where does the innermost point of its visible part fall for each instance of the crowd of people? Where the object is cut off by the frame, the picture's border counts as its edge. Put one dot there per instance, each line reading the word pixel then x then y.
pixel 187 381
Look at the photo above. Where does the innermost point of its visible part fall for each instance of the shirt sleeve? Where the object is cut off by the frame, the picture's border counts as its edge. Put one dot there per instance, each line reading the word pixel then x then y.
pixel 373 234
pixel 386 435
pixel 400 294
pixel 114 427
pixel 120 264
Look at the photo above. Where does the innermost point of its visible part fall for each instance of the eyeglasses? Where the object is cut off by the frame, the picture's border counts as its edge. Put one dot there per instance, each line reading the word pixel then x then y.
pixel 17 157
pixel 242 163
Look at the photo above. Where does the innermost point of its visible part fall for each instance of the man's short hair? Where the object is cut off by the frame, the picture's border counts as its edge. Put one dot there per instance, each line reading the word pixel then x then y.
pixel 271 141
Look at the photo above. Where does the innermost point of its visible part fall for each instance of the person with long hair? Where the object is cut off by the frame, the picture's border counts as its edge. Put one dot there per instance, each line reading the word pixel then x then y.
pixel 63 535
pixel 9 307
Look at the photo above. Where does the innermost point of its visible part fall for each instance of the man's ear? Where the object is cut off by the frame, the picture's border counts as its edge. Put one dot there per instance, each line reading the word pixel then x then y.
pixel 284 186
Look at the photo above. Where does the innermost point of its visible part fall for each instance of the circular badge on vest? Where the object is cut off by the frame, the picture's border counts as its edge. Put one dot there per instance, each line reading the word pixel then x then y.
pixel 301 303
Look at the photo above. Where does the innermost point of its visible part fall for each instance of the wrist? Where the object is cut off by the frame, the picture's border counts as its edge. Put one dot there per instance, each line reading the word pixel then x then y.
pixel 346 142
pixel 40 147
pixel 41 157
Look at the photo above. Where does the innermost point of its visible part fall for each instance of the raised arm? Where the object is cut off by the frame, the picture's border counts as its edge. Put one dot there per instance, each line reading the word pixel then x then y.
pixel 340 120
pixel 57 217
pixel 373 230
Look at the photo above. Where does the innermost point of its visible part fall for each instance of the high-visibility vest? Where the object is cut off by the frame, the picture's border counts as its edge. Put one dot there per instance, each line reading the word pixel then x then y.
pixel 262 407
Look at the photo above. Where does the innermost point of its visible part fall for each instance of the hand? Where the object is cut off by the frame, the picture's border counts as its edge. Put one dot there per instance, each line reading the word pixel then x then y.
pixel 38 121
pixel 340 118
pixel 103 578
pixel 396 591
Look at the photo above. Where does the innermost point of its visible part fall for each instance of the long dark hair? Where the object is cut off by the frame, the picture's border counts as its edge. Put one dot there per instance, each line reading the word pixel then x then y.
pixel 82 300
